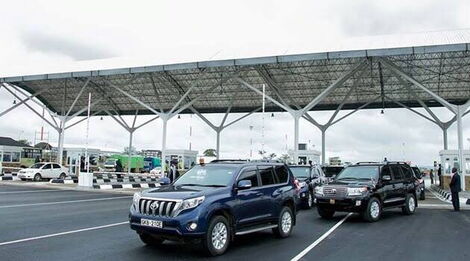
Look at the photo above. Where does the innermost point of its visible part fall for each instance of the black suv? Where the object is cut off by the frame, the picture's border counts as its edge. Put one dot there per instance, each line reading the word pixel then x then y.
pixel 213 203
pixel 368 189
pixel 420 187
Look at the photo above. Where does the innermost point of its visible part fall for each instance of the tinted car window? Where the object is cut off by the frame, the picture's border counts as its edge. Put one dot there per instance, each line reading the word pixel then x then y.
pixel 250 175
pixel 417 172
pixel 359 172
pixel 301 172
pixel 207 175
pixel 47 166
pixel 407 172
pixel 56 166
pixel 386 171
pixel 396 172
pixel 266 174
pixel 282 174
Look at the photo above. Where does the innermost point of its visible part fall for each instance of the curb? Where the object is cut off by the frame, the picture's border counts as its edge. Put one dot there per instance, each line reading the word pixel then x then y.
pixel 64 181
pixel 446 194
pixel 128 186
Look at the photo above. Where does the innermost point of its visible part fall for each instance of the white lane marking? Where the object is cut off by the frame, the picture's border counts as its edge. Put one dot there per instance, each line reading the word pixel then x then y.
pixel 64 202
pixel 438 196
pixel 62 233
pixel 320 239
pixel 34 191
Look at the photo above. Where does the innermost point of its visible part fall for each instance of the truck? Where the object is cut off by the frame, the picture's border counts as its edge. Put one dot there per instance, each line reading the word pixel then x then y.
pixel 137 162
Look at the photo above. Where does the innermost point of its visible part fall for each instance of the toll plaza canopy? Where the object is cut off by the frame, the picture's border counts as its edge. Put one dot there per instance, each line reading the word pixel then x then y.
pixel 433 73
pixel 294 80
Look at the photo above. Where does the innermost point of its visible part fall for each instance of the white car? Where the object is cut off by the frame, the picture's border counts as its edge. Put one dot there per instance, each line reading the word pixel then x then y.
pixel 43 170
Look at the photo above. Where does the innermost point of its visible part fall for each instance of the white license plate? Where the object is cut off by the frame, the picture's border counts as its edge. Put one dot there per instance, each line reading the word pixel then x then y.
pixel 151 223
pixel 332 201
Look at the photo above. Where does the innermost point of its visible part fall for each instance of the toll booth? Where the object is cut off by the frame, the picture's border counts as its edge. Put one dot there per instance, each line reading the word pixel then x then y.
pixel 450 159
pixel 186 158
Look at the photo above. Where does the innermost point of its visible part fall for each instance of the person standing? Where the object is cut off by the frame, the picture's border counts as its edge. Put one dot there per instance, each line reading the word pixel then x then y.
pixel 439 175
pixel 455 188
pixel 431 175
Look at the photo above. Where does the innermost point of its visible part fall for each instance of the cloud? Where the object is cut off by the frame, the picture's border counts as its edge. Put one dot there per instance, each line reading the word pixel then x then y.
pixel 51 44
pixel 361 18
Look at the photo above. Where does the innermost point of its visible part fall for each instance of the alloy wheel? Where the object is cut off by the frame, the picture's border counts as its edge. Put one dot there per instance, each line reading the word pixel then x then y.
pixel 374 209
pixel 219 236
pixel 286 222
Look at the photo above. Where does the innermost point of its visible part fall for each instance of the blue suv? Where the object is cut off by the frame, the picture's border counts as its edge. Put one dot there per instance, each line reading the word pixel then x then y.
pixel 212 203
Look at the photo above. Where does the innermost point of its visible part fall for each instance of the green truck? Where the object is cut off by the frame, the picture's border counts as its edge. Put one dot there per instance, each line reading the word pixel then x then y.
pixel 137 162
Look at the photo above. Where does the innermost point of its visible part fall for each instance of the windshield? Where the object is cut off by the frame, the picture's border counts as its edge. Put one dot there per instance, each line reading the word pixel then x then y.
pixel 208 175
pixel 300 172
pixel 110 162
pixel 37 166
pixel 361 172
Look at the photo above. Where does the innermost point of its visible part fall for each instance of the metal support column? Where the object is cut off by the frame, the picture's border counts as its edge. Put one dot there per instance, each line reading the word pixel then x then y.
pixel 459 114
pixel 323 146
pixel 60 145
pixel 129 151
pixel 165 126
pixel 444 136
pixel 218 131
pixel 296 116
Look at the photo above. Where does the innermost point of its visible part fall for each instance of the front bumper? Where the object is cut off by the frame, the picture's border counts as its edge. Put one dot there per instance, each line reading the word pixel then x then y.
pixel 174 228
pixel 25 175
pixel 348 204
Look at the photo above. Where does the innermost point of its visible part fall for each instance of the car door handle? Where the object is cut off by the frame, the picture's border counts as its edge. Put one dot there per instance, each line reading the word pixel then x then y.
pixel 259 194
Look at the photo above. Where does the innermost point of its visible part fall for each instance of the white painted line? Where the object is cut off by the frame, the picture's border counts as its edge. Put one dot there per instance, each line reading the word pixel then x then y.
pixel 35 191
pixel 320 239
pixel 64 202
pixel 126 185
pixel 62 233
pixel 144 185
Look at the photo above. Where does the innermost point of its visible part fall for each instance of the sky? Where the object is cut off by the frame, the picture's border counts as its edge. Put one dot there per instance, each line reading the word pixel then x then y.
pixel 50 36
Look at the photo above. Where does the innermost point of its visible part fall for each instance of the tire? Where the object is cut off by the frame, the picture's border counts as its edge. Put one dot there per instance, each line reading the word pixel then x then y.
pixel 217 238
pixel 308 204
pixel 285 223
pixel 62 176
pixel 410 205
pixel 325 213
pixel 150 240
pixel 422 195
pixel 37 177
pixel 373 211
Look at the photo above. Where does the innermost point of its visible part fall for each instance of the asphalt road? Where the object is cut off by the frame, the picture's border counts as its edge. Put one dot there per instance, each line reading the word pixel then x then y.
pixel 39 214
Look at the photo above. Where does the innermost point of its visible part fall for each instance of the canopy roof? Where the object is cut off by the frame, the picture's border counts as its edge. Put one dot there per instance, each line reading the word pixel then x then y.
pixel 291 79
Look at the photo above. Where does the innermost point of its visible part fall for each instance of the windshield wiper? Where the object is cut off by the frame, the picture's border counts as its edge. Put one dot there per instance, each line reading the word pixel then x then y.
pixel 347 178
pixel 201 185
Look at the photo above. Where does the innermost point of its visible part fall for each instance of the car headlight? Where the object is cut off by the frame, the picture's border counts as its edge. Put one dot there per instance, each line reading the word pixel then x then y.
pixel 302 184
pixel 190 203
pixel 136 198
pixel 356 191
pixel 319 190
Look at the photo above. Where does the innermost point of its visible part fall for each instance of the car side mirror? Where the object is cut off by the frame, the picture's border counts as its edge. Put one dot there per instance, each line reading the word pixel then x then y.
pixel 165 181
pixel 386 178
pixel 244 184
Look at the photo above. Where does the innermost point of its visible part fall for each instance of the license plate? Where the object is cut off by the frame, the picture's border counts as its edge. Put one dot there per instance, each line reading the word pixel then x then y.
pixel 151 223
pixel 332 201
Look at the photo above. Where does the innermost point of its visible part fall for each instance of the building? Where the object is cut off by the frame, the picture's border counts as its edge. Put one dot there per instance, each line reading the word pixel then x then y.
pixel 305 155
pixel 186 158
pixel 151 153
pixel 449 160
pixel 16 154
pixel 335 161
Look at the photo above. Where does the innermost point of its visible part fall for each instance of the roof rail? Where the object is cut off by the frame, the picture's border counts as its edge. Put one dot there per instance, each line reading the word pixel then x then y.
pixel 399 162
pixel 229 161
pixel 367 162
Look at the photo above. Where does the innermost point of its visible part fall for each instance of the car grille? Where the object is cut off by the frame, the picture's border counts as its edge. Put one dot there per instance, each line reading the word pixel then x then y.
pixel 157 207
pixel 335 191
